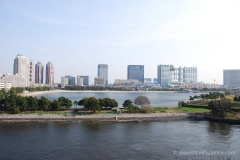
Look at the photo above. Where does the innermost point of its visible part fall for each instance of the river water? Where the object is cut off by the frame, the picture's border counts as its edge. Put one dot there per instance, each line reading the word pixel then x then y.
pixel 167 139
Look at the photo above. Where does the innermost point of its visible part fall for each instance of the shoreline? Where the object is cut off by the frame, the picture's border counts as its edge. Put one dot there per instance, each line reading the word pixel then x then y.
pixel 76 91
pixel 46 118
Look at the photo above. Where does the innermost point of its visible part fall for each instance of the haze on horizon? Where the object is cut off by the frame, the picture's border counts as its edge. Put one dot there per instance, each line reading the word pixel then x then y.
pixel 78 35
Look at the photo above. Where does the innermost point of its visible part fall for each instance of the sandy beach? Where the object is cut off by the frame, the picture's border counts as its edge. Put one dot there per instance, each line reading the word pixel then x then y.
pixel 8 118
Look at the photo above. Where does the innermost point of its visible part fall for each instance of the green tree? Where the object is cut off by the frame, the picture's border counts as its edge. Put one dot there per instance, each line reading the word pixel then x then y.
pixel 32 103
pixel 113 103
pixel 219 107
pixel 91 103
pixel 129 105
pixel 81 102
pixel 11 102
pixel 65 102
pixel 22 103
pixel 75 103
pixel 55 105
pixel 44 104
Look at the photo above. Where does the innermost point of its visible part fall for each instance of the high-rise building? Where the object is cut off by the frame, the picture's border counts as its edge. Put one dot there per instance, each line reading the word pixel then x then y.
pixel 49 73
pixel 39 72
pixel 71 80
pixel 189 74
pixel 85 80
pixel 231 77
pixel 99 81
pixel 136 72
pixel 79 81
pixel 24 67
pixel 168 74
pixel 64 81
pixel 103 72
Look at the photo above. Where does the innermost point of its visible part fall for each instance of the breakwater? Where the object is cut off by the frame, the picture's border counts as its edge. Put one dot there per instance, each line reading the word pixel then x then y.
pixel 7 118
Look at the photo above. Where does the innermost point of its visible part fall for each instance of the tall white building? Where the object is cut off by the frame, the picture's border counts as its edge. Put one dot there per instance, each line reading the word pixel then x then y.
pixel 64 81
pixel 189 74
pixel 79 81
pixel 39 73
pixel 24 67
pixel 49 73
pixel 170 74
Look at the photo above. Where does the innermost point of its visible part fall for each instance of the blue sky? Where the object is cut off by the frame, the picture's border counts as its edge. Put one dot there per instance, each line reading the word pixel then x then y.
pixel 77 35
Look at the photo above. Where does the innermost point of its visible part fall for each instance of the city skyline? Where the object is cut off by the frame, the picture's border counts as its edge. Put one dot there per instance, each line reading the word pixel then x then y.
pixel 77 36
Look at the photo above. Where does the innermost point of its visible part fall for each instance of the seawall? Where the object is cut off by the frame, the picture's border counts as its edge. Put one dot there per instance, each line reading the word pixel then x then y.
pixel 7 118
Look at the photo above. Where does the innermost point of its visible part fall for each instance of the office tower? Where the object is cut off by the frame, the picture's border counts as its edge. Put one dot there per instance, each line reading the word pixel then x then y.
pixel 71 80
pixel 136 72
pixel 79 81
pixel 168 74
pixel 85 80
pixel 103 72
pixel 24 67
pixel 49 73
pixel 189 74
pixel 99 81
pixel 39 73
pixel 231 77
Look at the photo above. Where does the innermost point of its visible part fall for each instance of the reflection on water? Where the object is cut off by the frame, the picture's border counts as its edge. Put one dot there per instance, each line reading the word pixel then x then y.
pixel 145 140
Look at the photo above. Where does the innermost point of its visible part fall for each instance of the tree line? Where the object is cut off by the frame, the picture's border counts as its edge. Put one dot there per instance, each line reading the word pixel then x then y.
pixel 14 103
pixel 211 96
pixel 11 102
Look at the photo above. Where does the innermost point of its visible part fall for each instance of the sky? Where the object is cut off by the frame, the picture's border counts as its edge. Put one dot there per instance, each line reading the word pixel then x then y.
pixel 77 35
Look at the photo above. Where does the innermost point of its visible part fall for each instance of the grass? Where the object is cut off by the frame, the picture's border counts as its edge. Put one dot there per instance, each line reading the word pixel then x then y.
pixel 45 112
pixel 199 103
pixel 160 109
pixel 191 110
pixel 182 109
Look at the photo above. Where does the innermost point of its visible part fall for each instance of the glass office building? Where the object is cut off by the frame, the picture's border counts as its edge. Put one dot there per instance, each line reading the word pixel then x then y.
pixel 231 77
pixel 136 72
pixel 103 72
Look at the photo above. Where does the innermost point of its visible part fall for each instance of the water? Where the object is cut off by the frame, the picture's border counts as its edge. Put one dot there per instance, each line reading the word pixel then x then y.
pixel 162 99
pixel 145 140
pixel 169 139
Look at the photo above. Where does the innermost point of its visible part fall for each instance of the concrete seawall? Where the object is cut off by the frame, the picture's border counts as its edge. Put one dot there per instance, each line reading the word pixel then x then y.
pixel 7 118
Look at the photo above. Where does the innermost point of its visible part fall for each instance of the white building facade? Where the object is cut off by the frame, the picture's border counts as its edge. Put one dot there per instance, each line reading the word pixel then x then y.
pixel 168 74
pixel 24 67
pixel 15 80
pixel 79 81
